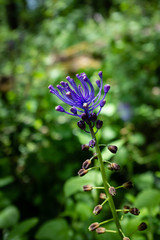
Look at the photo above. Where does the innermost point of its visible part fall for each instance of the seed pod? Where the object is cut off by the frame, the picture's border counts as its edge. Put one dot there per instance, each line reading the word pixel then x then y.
pixel 81 124
pixel 127 185
pixel 93 226
pixel 112 191
pixel 97 209
pixel 126 238
pixel 114 166
pixel 102 196
pixel 142 226
pixel 100 230
pixel 112 148
pixel 85 147
pixel 99 124
pixel 126 208
pixel 86 164
pixel 82 172
pixel 134 211
pixel 87 188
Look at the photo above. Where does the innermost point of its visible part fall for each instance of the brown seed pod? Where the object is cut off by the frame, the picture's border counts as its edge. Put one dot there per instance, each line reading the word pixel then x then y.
pixel 100 230
pixel 93 226
pixel 82 172
pixel 97 209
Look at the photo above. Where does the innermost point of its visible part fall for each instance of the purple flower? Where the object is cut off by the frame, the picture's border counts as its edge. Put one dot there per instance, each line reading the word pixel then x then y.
pixel 80 97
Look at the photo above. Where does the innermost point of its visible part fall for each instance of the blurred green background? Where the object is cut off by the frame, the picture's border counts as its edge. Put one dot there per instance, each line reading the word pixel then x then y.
pixel 41 42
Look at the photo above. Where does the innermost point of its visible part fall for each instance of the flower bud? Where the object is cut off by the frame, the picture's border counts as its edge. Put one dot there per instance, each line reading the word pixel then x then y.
pixel 142 226
pixel 134 211
pixel 59 108
pixel 126 209
pixel 102 103
pixel 106 88
pixel 93 117
pixel 102 196
pixel 73 110
pixel 85 147
pixel 97 209
pixel 82 172
pixel 126 238
pixel 87 188
pixel 84 116
pixel 99 124
pixel 112 148
pixel 127 185
pixel 81 124
pixel 114 166
pixel 98 83
pixel 112 191
pixel 93 226
pixel 92 143
pixel 100 74
pixel 85 105
pixel 86 164
pixel 100 230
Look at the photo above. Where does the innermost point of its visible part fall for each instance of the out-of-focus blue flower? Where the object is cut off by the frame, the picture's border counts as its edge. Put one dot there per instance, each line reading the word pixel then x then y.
pixel 125 111
pixel 81 98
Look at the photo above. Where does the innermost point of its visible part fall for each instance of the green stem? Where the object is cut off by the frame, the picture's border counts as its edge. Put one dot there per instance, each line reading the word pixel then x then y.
pixel 106 186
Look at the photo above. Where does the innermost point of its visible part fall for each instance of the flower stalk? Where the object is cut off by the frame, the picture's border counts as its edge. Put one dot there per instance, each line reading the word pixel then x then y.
pixel 106 185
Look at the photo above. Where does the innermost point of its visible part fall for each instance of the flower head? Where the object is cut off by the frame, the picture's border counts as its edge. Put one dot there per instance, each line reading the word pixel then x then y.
pixel 81 97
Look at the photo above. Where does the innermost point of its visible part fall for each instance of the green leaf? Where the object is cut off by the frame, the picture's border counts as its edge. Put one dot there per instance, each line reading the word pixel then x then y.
pixel 84 211
pixel 9 217
pixel 75 184
pixel 5 181
pixel 55 229
pixel 22 228
pixel 144 181
pixel 148 198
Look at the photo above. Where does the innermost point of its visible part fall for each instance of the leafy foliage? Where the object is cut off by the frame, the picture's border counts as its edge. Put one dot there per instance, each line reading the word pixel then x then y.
pixel 41 43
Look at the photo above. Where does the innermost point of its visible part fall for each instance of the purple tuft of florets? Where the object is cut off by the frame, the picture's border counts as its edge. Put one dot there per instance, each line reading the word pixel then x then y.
pixel 80 97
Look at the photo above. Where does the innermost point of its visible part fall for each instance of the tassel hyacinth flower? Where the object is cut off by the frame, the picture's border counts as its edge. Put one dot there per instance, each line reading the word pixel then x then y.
pixel 81 98
pixel 83 102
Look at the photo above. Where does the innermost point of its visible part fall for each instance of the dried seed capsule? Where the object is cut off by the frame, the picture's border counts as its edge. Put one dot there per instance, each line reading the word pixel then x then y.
pixel 82 172
pixel 99 124
pixel 86 164
pixel 87 188
pixel 127 185
pixel 112 148
pixel 93 226
pixel 114 166
pixel 92 143
pixel 97 209
pixel 102 196
pixel 100 230
pixel 142 226
pixel 126 208
pixel 134 211
pixel 85 147
pixel 81 124
pixel 126 238
pixel 112 191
